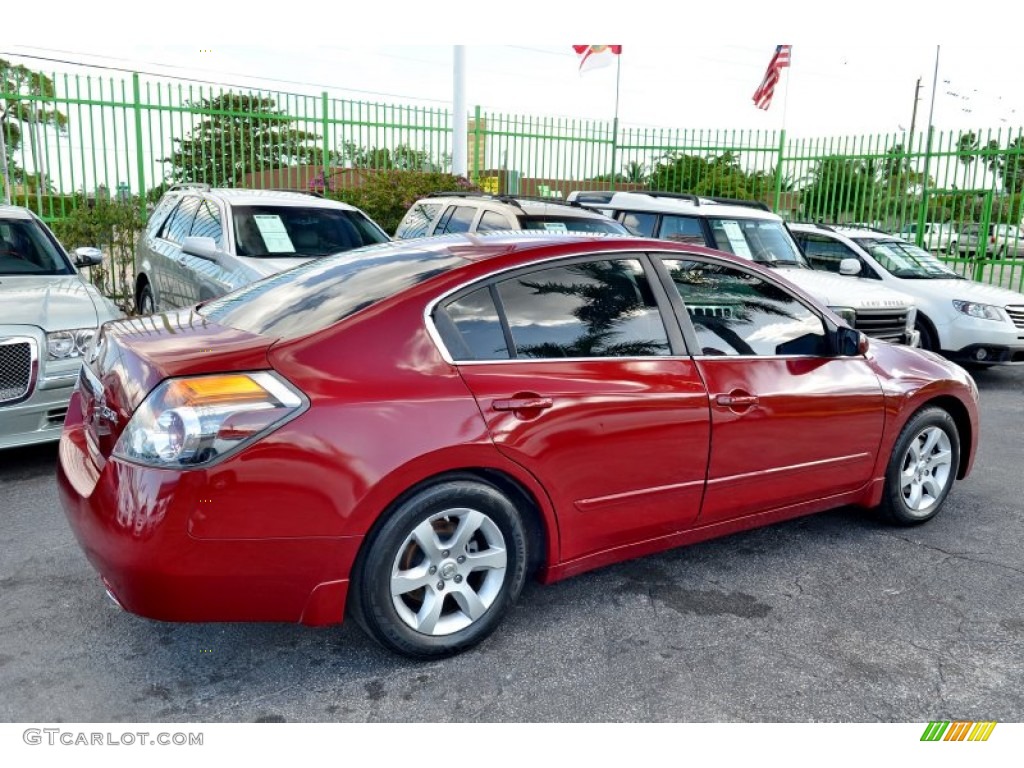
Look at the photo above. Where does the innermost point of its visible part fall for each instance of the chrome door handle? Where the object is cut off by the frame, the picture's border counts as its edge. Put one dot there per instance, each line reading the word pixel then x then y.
pixel 522 404
pixel 736 401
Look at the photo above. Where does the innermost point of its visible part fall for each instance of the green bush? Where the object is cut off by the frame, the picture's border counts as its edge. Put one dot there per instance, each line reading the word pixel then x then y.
pixel 113 226
pixel 385 196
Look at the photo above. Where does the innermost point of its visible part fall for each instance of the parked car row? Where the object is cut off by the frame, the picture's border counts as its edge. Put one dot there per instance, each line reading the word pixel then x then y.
pixel 996 241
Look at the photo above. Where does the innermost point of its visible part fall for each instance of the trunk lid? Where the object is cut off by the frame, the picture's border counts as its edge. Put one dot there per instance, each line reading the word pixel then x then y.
pixel 131 357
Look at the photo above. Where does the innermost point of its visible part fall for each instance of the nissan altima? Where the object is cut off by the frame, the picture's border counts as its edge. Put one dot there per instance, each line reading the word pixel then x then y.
pixel 407 432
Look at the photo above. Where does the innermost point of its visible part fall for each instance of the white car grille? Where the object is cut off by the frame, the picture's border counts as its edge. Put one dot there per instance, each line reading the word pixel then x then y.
pixel 1017 315
pixel 17 368
pixel 887 324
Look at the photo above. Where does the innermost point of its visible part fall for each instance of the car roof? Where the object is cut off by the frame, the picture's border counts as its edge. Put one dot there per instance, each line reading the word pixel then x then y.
pixel 286 197
pixel 667 202
pixel 529 206
pixel 850 232
pixel 14 212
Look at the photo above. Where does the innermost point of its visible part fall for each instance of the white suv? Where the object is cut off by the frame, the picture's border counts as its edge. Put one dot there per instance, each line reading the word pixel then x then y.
pixel 959 318
pixel 447 212
pixel 750 230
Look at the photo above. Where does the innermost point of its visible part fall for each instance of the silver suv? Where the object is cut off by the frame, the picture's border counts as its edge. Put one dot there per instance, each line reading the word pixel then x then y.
pixel 447 212
pixel 201 243
pixel 750 230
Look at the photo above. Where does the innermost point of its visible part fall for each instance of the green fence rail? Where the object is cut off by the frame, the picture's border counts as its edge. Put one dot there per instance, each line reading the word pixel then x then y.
pixel 70 140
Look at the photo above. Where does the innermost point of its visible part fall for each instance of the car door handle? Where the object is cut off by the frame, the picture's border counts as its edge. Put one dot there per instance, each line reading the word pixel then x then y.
pixel 736 400
pixel 522 404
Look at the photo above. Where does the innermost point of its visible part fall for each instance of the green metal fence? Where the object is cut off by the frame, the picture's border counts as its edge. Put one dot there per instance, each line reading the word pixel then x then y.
pixel 73 139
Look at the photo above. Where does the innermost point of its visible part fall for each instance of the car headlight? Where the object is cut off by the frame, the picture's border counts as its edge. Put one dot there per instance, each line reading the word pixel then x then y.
pixel 62 345
pixel 984 311
pixel 849 314
pixel 190 422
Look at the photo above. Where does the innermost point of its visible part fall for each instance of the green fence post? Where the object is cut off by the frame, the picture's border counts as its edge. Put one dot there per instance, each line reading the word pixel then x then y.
pixel 778 171
pixel 140 156
pixel 615 150
pixel 983 225
pixel 326 127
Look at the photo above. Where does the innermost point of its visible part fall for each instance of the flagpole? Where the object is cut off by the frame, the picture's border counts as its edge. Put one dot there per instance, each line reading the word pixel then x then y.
pixel 782 138
pixel 615 121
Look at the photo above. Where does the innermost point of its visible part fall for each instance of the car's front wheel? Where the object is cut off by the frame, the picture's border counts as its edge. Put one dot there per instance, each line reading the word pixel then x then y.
pixel 922 468
pixel 443 570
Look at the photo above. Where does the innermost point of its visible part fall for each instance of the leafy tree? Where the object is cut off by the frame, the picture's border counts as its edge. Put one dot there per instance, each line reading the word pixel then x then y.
pixel 1007 163
pixel 239 134
pixel 677 172
pixel 967 148
pixel 838 185
pixel 403 158
pixel 21 111
pixel 114 227
pixel 385 196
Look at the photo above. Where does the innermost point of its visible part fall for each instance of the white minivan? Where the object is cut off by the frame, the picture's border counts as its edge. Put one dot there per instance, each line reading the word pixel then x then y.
pixel 750 230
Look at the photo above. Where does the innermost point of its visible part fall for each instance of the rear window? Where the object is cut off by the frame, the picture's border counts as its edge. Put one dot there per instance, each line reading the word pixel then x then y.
pixel 319 293
pixel 572 224
pixel 273 231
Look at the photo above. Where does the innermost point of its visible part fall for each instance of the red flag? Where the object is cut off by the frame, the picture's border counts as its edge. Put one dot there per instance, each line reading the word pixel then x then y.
pixel 765 91
pixel 594 56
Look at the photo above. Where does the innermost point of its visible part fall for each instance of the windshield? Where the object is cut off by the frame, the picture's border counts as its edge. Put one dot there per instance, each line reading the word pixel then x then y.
pixel 905 260
pixel 26 249
pixel 573 224
pixel 272 231
pixel 762 240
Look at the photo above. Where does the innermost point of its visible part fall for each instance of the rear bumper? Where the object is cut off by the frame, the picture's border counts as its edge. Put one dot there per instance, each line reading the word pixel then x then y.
pixel 134 524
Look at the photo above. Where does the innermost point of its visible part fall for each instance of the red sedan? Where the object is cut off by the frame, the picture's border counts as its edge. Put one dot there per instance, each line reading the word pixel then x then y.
pixel 409 431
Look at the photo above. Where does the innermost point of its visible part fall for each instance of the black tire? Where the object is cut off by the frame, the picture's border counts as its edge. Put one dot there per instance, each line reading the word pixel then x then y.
pixel 928 339
pixel 144 301
pixel 925 457
pixel 952 249
pixel 458 528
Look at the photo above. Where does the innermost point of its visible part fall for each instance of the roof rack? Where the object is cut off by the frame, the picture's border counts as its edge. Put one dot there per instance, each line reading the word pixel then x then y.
pixel 761 206
pixel 189 185
pixel 310 192
pixel 510 199
pixel 674 195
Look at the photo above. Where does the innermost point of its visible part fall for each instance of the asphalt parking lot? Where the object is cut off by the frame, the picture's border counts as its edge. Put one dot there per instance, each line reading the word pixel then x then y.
pixel 829 618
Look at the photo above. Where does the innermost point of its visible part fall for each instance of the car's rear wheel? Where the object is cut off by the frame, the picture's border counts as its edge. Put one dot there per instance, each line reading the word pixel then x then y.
pixel 443 570
pixel 144 304
pixel 922 468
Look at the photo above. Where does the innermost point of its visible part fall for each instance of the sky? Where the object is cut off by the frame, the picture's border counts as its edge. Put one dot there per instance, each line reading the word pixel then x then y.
pixel 853 72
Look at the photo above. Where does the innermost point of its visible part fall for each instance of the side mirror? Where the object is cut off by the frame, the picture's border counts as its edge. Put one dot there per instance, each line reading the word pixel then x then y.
pixel 88 257
pixel 849 267
pixel 203 247
pixel 850 343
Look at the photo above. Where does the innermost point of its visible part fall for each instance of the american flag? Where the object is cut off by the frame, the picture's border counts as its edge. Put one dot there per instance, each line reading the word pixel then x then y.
pixel 765 91
pixel 594 56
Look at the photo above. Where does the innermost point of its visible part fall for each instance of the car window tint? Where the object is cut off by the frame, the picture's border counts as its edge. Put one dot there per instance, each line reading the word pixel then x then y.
pixel 207 223
pixel 471 329
pixel 573 224
pixel 321 292
pixel 735 312
pixel 417 221
pixel 459 221
pixel 491 221
pixel 160 214
pixel 639 223
pixel 682 229
pixel 27 248
pixel 289 230
pixel 592 309
pixel 180 222
pixel 823 252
